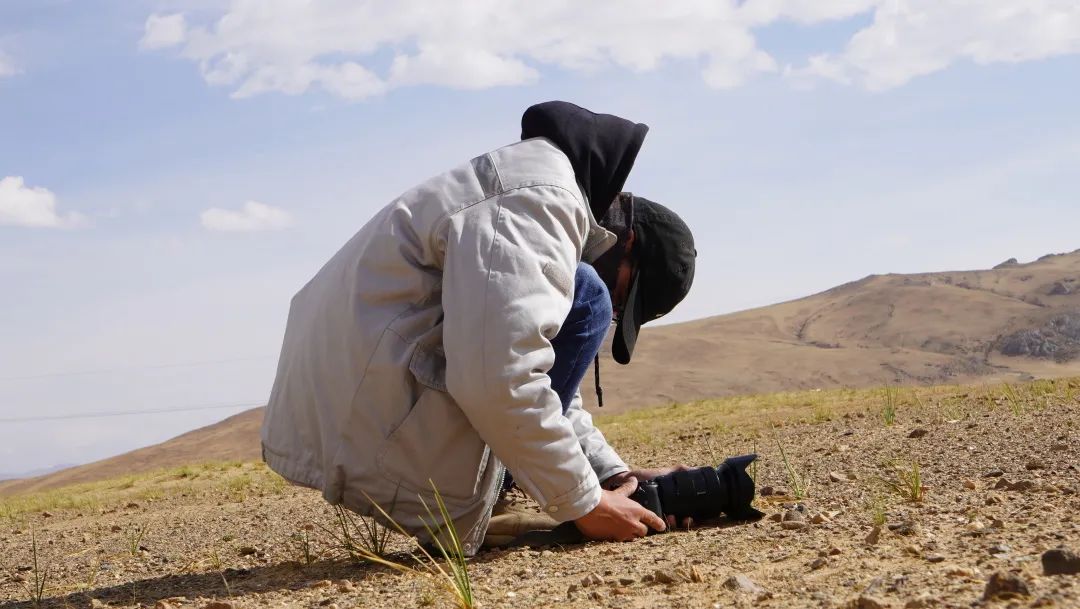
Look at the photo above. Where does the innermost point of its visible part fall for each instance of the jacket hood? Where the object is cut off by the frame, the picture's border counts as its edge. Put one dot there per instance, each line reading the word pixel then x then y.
pixel 601 147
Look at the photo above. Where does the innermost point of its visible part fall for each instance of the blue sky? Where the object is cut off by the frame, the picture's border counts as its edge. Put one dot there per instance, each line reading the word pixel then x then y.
pixel 806 143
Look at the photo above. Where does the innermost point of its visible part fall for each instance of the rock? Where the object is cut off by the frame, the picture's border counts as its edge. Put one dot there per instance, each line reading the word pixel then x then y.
pixel 795 525
pixel 766 491
pixel 218 605
pixel 162 605
pixel 835 551
pixel 97 604
pixel 1059 446
pixel 818 563
pixel 345 585
pixel 626 581
pixel 994 473
pixel 935 558
pixel 1060 561
pixel 970 485
pixel 905 528
pixel 1060 288
pixel 874 536
pixel 1005 585
pixel 869 602
pixel 115 528
pixel 819 518
pixel 795 515
pixel 992 500
pixel 666 576
pixel 324 583
pixel 918 432
pixel 1003 485
pixel 572 588
pixel 840 477
pixel 742 583
pixel 1034 464
pixel 247 550
pixel 777 517
pixel 46 514
pixel 132 506
pixel 595 595
pixel 999 549
pixel 1025 485
pixel 975 526
pixel 593 579
pixel 923 601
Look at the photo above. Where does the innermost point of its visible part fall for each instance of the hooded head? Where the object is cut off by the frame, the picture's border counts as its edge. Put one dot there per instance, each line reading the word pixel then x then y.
pixel 601 147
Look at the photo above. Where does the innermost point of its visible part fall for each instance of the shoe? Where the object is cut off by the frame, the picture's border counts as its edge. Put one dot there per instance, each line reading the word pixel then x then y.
pixel 511 518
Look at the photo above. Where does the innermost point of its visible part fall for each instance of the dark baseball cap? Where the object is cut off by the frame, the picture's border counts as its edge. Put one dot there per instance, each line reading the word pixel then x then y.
pixel 664 249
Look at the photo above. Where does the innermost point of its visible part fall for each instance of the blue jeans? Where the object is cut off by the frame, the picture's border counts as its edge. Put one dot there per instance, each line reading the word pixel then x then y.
pixel 578 341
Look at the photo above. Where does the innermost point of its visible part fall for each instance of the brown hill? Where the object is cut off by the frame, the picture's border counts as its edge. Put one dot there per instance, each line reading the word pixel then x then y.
pixel 928 328
pixel 235 438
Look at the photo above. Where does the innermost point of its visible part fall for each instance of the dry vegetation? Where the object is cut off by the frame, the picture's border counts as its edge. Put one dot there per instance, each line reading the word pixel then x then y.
pixel 887 497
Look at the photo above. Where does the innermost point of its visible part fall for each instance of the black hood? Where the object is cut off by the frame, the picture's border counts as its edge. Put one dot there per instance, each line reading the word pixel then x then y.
pixel 601 147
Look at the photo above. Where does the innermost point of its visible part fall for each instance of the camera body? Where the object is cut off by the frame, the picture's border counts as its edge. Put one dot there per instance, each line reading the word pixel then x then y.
pixel 702 493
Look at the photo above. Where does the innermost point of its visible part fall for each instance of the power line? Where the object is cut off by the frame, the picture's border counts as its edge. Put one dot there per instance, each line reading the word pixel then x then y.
pixel 48 375
pixel 124 413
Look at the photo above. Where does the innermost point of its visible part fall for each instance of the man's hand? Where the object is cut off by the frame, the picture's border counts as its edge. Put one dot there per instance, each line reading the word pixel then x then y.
pixel 617 517
pixel 631 479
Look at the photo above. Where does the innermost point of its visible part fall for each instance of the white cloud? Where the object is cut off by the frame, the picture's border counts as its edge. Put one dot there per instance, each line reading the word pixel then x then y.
pixel 7 65
pixel 21 205
pixel 911 38
pixel 163 31
pixel 258 46
pixel 340 46
pixel 254 216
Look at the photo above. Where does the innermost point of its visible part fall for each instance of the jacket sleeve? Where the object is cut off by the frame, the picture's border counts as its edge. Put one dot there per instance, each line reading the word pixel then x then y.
pixel 603 459
pixel 507 287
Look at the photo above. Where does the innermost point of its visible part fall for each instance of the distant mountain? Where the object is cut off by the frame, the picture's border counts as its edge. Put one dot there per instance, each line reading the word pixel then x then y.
pixel 34 472
pixel 1015 321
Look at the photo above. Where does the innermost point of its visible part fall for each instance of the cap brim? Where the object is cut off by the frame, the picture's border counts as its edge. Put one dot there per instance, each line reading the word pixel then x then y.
pixel 626 332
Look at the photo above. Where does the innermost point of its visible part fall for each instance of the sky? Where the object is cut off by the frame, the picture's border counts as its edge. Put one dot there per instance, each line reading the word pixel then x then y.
pixel 171 172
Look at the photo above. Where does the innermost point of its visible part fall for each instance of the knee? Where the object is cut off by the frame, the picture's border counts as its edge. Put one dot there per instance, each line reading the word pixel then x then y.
pixel 591 294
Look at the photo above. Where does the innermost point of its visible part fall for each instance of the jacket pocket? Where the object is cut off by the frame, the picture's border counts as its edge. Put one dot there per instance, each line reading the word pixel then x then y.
pixel 428 365
pixel 435 443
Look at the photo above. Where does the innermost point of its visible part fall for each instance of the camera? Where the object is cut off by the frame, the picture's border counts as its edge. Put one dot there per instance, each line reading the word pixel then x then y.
pixel 702 493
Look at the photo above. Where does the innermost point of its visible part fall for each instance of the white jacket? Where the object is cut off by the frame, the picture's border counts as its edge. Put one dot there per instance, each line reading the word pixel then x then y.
pixel 420 351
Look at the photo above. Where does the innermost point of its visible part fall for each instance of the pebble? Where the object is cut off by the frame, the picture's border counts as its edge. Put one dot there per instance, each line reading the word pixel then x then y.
pixel 835 551
pixel 975 526
pixel 935 558
pixel 994 473
pixel 819 518
pixel 1060 561
pixel 742 583
pixel 840 477
pixel 345 585
pixel 918 432
pixel 794 516
pixel 626 581
pixel 1005 585
pixel 970 485
pixel 1034 464
pixel 218 605
pixel 592 579
pixel 795 525
pixel 906 527
pixel 818 563
pixel 96 604
pixel 162 605
pixel 874 536
pixel 247 550
pixel 325 583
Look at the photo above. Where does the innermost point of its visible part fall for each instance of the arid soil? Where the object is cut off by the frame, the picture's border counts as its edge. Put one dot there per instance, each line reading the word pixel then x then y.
pixel 999 488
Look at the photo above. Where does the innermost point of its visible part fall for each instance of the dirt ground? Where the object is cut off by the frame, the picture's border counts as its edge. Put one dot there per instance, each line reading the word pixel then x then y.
pixel 1000 477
